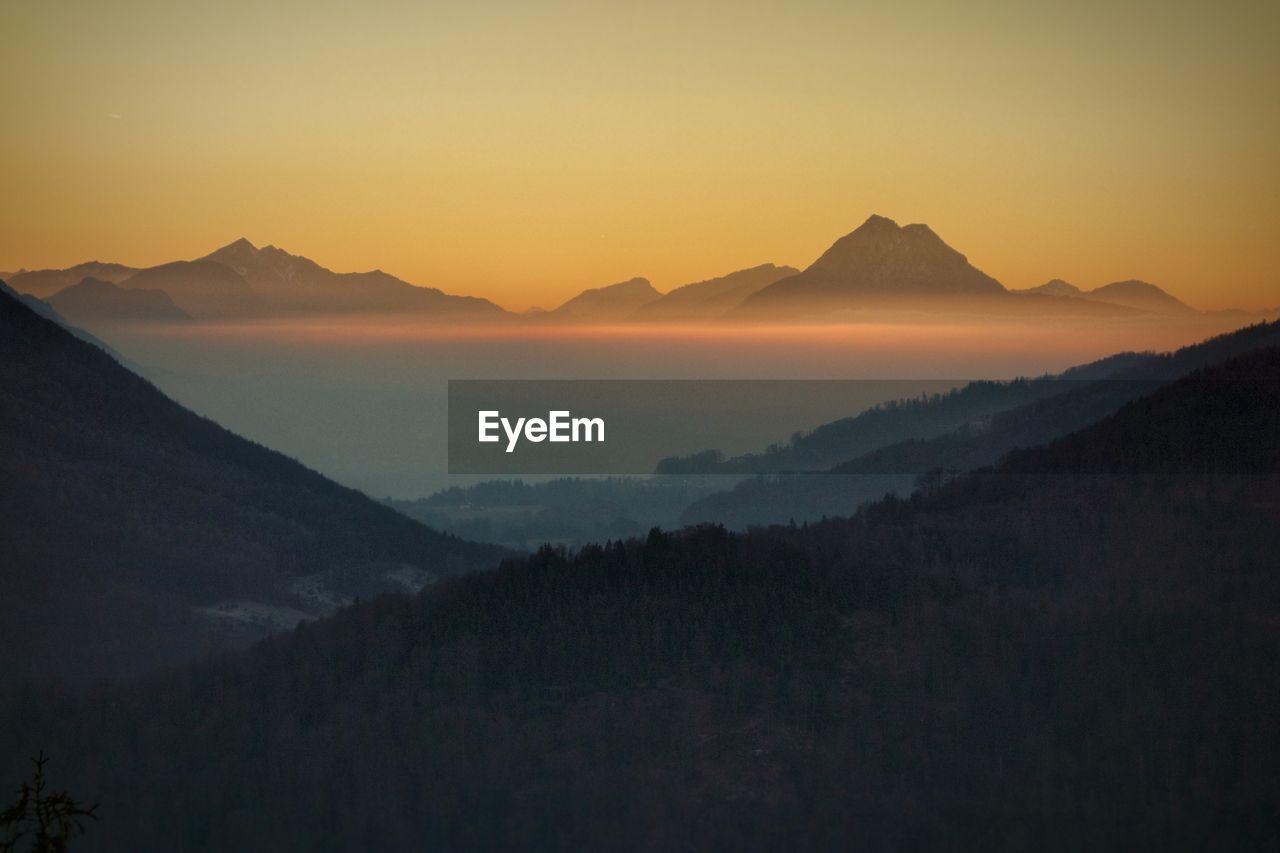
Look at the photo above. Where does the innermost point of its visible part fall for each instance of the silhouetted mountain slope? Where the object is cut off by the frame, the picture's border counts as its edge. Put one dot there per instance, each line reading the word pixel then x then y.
pixel 710 299
pixel 122 514
pixel 974 445
pixel 925 417
pixel 45 310
pixel 606 304
pixel 294 284
pixel 847 438
pixel 1221 419
pixel 42 283
pixel 94 301
pixel 1007 662
pixel 1020 414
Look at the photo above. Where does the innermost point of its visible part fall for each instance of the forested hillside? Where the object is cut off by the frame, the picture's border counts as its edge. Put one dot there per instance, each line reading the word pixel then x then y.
pixel 134 532
pixel 1039 655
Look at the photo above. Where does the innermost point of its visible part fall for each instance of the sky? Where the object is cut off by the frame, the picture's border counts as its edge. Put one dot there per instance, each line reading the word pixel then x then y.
pixel 525 151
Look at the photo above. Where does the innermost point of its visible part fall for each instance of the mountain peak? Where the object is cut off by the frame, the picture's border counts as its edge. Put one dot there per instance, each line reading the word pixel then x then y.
pixel 638 283
pixel 878 262
pixel 240 245
pixel 1055 287
pixel 611 302
pixel 1132 285
pixel 920 230
pixel 1142 295
pixel 631 288
pixel 880 237
pixel 236 254
pixel 875 220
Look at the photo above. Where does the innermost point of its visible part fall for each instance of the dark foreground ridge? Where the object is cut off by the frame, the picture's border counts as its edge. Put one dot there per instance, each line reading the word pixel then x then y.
pixel 134 532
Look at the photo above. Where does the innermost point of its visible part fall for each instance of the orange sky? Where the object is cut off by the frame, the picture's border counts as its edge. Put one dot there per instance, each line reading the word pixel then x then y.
pixel 524 151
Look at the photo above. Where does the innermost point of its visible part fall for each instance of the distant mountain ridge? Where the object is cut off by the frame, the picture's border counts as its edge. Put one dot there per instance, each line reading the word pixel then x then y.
pixel 1139 295
pixel 878 266
pixel 240 281
pixel 293 284
pixel 610 303
pixel 711 299
pixel 42 283
pixel 205 289
pixel 94 301
pixel 882 265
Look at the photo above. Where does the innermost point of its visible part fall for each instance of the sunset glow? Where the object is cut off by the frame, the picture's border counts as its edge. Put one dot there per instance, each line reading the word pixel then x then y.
pixel 524 152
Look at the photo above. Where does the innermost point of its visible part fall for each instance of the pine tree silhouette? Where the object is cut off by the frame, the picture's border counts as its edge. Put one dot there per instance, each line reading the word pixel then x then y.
pixel 40 821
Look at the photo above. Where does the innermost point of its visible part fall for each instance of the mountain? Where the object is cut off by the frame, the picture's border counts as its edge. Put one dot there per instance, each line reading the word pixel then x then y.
pixel 607 304
pixel 878 266
pixel 1138 295
pixel 293 284
pixel 880 263
pixel 94 301
pixel 1054 287
pixel 971 427
pixel 1221 419
pixel 134 532
pixel 205 289
pixel 710 299
pixel 45 310
pixel 242 281
pixel 846 438
pixel 42 283
pixel 1028 657
pixel 1141 295
pixel 884 266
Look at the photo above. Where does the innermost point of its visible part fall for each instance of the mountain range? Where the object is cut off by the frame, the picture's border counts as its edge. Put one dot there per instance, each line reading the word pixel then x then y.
pixel 882 265
pixel 45 283
pixel 878 266
pixel 242 281
pixel 292 284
